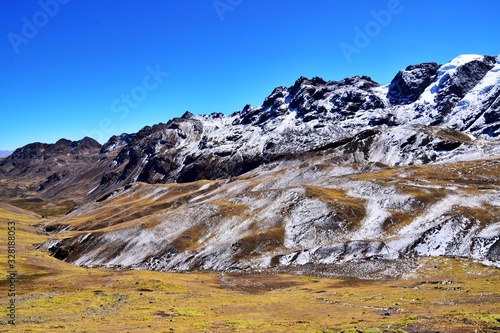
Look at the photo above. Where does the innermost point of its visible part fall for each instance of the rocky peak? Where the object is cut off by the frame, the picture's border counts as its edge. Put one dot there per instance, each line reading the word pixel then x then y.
pixel 85 145
pixel 29 151
pixel 116 142
pixel 187 115
pixel 463 94
pixel 358 81
pixel 299 83
pixel 409 84
pixel 277 96
pixel 43 151
pixel 315 99
pixel 456 85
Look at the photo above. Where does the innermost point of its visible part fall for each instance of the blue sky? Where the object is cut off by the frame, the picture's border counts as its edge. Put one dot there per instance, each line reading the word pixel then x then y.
pixel 71 68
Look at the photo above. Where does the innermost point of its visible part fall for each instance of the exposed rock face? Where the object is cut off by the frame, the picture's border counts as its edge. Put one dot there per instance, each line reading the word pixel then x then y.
pixel 304 212
pixel 310 114
pixel 36 155
pixel 454 87
pixel 64 169
pixel 116 142
pixel 408 85
pixel 463 94
pixel 288 182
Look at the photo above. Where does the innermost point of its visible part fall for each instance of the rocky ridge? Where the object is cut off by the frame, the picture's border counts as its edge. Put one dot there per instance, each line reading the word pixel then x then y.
pixel 315 113
pixel 299 153
pixel 463 95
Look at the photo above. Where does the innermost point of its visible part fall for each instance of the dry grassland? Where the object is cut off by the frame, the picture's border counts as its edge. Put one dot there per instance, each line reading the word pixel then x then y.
pixel 443 295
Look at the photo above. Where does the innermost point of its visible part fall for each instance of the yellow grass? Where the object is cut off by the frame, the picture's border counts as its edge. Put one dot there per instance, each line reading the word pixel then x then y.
pixel 349 209
pixel 445 295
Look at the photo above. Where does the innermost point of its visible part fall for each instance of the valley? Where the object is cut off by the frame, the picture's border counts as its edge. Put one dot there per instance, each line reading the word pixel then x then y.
pixel 436 295
pixel 335 206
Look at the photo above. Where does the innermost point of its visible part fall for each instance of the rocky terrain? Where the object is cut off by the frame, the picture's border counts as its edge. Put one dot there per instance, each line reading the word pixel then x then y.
pixel 435 294
pixel 322 173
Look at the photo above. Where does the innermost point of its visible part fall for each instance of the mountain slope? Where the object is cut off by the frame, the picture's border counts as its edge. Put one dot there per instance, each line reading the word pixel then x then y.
pixel 323 172
pixel 313 113
pixel 290 214
pixel 462 94
pixel 65 169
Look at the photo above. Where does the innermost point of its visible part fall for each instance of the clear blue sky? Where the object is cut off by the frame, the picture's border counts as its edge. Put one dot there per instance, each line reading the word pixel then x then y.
pixel 88 67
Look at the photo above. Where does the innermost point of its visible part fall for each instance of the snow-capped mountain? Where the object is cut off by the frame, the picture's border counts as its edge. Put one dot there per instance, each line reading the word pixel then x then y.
pixel 462 95
pixel 285 183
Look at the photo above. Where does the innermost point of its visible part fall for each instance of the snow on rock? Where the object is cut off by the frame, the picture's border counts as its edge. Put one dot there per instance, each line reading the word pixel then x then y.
pixel 446 71
pixel 252 208
pixel 481 99
pixel 242 226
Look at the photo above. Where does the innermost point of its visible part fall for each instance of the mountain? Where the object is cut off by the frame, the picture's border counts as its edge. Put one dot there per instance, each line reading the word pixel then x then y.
pixel 60 170
pixel 311 114
pixel 322 173
pixel 308 215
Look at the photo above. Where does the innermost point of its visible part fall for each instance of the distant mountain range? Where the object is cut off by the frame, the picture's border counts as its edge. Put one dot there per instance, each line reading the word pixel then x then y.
pixel 5 153
pixel 321 172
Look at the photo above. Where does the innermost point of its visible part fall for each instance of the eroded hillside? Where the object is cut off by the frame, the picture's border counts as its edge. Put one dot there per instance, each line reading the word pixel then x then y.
pixel 292 215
